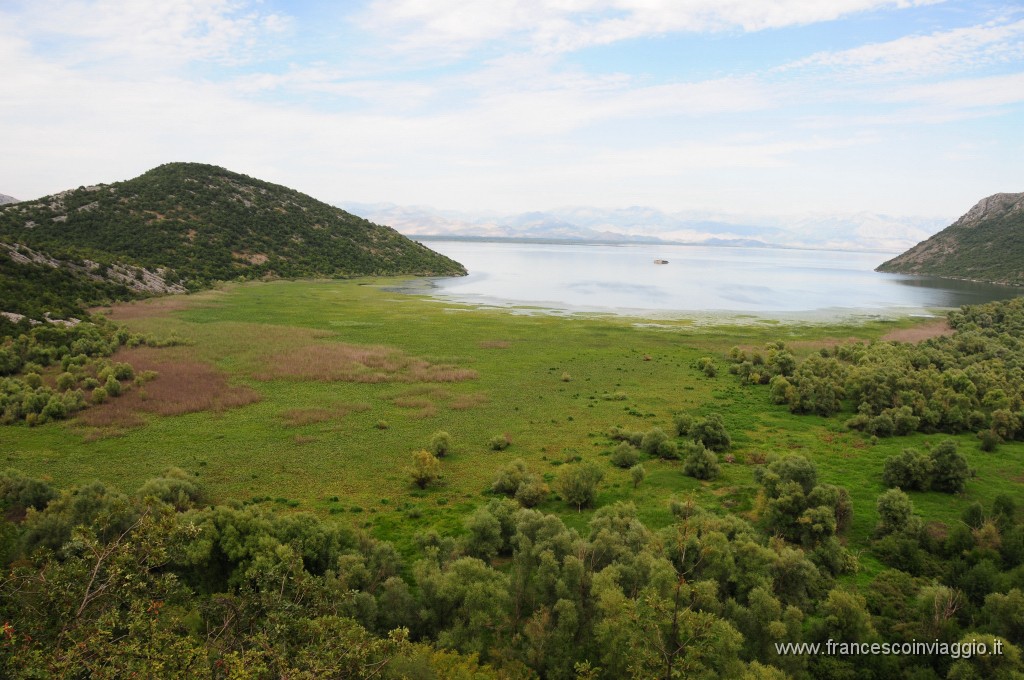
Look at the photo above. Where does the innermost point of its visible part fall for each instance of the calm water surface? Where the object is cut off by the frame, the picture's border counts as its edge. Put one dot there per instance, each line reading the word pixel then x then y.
pixel 759 281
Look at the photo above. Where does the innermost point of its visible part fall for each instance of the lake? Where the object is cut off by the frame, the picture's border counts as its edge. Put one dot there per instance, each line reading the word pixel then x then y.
pixel 623 279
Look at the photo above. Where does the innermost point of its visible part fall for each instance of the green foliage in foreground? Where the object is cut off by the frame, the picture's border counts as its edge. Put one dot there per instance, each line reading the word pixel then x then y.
pixel 156 583
pixel 346 469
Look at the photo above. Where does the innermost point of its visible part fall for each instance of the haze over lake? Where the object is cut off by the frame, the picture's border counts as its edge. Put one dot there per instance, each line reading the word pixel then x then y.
pixel 624 279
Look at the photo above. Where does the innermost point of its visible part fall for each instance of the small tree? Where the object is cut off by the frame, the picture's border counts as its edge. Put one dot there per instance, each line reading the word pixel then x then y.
pixel 578 483
pixel 426 468
pixel 894 512
pixel 949 468
pixel 440 444
pixel 637 474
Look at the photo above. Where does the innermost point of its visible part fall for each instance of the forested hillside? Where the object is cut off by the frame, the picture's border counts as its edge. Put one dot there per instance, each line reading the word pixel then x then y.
pixel 986 244
pixel 195 224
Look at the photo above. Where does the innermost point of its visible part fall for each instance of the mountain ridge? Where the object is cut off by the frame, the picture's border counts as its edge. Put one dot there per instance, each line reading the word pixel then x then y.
pixel 984 244
pixel 183 226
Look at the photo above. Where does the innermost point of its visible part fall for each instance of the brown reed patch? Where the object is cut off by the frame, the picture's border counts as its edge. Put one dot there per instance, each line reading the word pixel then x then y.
pixel 495 344
pixel 357 363
pixel 180 386
pixel 924 331
pixel 468 401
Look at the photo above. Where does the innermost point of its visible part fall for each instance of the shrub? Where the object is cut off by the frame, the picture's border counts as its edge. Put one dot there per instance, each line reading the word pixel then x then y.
pixel 910 470
pixel 440 444
pixel 668 450
pixel 500 442
pixel 20 492
pixel 425 468
pixel 711 433
pixel 683 422
pixel 175 487
pixel 701 463
pixel 113 386
pixel 989 440
pixel 508 480
pixel 652 440
pixel 532 491
pixel 625 456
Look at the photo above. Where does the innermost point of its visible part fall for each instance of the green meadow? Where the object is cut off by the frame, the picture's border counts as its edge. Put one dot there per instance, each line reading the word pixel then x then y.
pixel 313 395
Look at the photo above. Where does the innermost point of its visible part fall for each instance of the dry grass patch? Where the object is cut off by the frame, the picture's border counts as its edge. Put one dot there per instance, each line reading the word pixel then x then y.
pixel 145 309
pixel 495 344
pixel 182 385
pixel 920 332
pixel 354 363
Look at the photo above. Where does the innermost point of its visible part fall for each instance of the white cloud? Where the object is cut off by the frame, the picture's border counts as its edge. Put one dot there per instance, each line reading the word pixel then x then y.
pixel 968 93
pixel 139 34
pixel 925 55
pixel 453 27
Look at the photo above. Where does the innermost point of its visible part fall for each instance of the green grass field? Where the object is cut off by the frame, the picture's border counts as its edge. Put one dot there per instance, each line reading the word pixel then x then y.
pixel 334 441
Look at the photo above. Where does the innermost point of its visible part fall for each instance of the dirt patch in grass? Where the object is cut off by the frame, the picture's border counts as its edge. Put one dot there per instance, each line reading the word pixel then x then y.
pixel 357 363
pixel 924 331
pixel 182 385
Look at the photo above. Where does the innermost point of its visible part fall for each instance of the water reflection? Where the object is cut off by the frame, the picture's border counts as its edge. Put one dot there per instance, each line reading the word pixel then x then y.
pixel 621 278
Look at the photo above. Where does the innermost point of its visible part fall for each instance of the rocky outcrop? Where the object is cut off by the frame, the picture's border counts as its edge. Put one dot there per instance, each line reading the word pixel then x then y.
pixel 138 279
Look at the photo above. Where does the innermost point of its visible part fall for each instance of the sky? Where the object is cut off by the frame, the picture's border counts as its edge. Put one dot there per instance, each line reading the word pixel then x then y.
pixel 899 107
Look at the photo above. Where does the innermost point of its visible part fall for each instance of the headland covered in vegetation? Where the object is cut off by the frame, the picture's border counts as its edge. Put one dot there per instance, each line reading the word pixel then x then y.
pixel 320 478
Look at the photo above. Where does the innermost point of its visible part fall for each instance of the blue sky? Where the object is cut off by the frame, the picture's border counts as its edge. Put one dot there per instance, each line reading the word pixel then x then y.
pixel 902 107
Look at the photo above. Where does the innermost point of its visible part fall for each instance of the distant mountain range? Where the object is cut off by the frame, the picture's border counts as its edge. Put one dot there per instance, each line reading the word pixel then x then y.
pixel 4 198
pixel 985 244
pixel 861 231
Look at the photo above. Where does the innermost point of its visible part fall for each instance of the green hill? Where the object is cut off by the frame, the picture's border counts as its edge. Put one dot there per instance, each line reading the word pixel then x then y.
pixel 185 225
pixel 986 244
